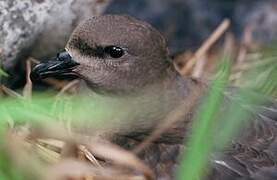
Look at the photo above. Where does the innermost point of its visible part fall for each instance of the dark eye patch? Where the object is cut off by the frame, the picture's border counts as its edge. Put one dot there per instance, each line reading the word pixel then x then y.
pixel 96 51
pixel 85 49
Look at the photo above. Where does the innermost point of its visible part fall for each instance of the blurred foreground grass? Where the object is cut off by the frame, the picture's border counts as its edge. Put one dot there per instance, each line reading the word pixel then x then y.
pixel 47 108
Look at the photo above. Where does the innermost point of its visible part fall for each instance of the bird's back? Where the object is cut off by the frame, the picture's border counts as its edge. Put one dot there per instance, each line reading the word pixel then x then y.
pixel 252 154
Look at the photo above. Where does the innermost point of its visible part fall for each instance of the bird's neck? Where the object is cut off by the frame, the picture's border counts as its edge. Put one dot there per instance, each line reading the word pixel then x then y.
pixel 146 109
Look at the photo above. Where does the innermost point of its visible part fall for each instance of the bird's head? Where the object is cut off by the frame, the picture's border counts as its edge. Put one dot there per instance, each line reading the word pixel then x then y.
pixel 112 53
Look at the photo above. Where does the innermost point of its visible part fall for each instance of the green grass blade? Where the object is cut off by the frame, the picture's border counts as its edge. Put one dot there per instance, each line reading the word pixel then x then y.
pixel 198 148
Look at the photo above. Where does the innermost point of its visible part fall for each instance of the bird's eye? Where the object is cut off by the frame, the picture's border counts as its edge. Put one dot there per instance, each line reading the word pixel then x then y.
pixel 114 51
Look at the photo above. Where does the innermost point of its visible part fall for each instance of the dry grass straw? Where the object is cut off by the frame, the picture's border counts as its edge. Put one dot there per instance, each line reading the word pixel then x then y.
pixel 204 48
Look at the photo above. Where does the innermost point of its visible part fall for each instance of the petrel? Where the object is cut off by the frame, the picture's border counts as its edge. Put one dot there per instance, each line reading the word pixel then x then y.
pixel 127 61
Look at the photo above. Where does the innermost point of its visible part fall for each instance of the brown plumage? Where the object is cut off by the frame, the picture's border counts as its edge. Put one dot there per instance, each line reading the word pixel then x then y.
pixel 126 60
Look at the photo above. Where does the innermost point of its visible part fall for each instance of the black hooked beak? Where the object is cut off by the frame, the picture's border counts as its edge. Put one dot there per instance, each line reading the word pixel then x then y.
pixel 63 64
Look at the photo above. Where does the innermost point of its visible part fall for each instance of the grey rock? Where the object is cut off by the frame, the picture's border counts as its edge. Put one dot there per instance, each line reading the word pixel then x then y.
pixel 40 27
